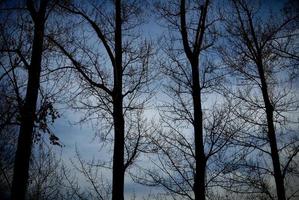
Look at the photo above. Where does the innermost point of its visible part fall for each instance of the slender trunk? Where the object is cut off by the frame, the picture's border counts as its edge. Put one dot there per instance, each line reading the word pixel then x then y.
pixel 200 158
pixel 271 136
pixel 119 123
pixel 199 181
pixel 23 153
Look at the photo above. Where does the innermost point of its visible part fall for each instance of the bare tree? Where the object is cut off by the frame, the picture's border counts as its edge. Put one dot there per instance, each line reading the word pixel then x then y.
pixel 192 53
pixel 192 50
pixel 22 39
pixel 21 166
pixel 262 54
pixel 113 85
pixel 189 149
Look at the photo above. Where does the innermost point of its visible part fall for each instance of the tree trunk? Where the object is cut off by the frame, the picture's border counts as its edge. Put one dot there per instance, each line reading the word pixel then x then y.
pixel 23 153
pixel 119 123
pixel 199 181
pixel 271 136
pixel 118 156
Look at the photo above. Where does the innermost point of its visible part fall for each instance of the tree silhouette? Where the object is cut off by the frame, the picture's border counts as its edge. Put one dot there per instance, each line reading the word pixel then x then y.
pixel 257 49
pixel 118 86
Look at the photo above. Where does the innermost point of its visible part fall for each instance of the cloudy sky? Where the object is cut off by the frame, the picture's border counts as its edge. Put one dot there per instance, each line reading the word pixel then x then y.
pixel 83 136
